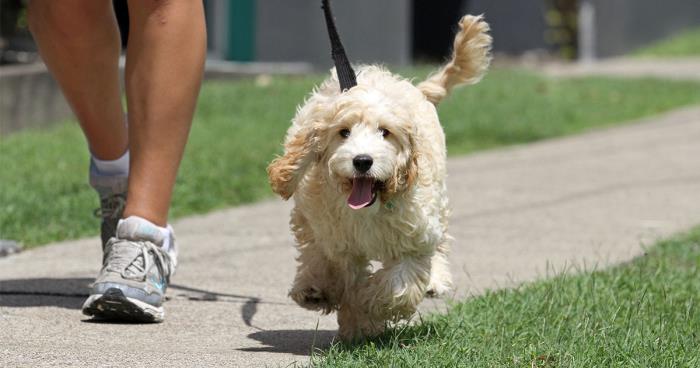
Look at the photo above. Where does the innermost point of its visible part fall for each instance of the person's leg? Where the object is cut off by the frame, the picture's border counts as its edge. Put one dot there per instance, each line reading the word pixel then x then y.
pixel 79 42
pixel 164 66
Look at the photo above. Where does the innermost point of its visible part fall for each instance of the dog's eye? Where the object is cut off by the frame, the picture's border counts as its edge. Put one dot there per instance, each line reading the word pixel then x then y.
pixel 345 133
pixel 385 132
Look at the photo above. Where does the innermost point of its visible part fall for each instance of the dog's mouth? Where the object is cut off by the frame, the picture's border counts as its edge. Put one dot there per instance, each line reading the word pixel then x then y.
pixel 364 192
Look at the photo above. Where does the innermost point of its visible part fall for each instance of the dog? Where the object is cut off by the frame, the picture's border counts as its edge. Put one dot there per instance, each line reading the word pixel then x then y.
pixel 366 168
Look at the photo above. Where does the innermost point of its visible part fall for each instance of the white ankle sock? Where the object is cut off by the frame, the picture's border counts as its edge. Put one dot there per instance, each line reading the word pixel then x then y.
pixel 118 167
pixel 166 232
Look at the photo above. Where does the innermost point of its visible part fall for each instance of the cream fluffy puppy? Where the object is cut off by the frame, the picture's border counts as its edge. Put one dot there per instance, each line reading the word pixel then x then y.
pixel 366 168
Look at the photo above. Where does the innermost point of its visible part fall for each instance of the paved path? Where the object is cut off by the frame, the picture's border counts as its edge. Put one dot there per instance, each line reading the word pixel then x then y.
pixel 595 199
pixel 664 68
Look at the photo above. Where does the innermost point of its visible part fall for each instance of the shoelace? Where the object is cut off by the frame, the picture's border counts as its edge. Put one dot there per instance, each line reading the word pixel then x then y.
pixel 133 263
pixel 111 207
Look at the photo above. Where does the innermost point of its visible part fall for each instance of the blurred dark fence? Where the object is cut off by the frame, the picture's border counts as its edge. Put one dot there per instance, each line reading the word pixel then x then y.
pixel 371 30
pixel 622 26
pixel 612 27
pixel 517 26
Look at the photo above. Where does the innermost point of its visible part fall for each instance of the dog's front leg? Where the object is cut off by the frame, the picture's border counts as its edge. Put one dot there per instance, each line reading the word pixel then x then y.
pixel 396 290
pixel 440 276
pixel 354 321
pixel 317 285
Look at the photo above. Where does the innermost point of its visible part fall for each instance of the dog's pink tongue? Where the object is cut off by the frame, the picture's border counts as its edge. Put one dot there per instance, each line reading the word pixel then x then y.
pixel 361 194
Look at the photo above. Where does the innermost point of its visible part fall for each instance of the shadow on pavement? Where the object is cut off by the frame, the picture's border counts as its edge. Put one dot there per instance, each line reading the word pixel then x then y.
pixel 297 342
pixel 44 292
pixel 71 293
pixel 248 309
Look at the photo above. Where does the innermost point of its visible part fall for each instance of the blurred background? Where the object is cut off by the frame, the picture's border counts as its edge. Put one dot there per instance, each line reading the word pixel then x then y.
pixel 395 32
pixel 405 31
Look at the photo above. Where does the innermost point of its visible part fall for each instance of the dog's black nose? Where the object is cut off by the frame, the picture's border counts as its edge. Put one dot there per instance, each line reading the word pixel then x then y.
pixel 362 163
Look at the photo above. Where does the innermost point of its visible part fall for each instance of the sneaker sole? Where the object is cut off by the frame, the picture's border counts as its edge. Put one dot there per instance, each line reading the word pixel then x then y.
pixel 113 305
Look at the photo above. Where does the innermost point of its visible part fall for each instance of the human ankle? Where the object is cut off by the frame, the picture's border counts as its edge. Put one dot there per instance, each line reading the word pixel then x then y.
pixel 116 167
pixel 145 230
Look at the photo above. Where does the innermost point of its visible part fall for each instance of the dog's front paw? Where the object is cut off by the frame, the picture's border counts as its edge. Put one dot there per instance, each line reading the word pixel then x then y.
pixel 311 298
pixel 437 289
pixel 440 279
pixel 388 296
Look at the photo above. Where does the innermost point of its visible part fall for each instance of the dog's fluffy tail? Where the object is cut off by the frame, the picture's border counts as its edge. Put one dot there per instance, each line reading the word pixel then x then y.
pixel 470 59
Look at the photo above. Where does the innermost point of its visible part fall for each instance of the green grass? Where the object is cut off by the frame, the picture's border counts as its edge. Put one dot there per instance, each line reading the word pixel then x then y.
pixel 645 313
pixel 681 45
pixel 239 127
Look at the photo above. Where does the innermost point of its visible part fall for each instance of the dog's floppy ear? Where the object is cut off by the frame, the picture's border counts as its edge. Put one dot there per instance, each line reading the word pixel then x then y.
pixel 470 59
pixel 405 175
pixel 286 171
pixel 411 170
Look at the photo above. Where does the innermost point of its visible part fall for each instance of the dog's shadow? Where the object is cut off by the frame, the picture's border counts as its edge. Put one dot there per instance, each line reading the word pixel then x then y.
pixel 297 342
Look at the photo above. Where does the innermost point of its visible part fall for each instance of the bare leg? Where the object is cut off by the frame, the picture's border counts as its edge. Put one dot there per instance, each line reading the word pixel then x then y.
pixel 165 60
pixel 79 42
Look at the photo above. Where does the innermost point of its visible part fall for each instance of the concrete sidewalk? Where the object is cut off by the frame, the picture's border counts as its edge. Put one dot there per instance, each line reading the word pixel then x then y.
pixel 596 198
pixel 682 69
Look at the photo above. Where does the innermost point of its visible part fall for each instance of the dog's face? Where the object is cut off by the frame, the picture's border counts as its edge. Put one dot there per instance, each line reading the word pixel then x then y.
pixel 362 141
pixel 367 149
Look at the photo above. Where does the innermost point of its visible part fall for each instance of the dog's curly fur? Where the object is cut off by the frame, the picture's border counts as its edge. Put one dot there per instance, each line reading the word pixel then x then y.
pixel 396 123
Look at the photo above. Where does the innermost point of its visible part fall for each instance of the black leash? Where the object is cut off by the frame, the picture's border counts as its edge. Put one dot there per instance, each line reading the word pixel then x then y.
pixel 346 75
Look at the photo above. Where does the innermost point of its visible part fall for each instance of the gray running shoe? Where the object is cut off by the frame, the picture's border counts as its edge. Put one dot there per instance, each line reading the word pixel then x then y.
pixel 135 274
pixel 112 192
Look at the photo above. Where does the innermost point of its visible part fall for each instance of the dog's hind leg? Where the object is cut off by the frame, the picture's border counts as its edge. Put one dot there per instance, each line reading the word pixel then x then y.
pixel 440 276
